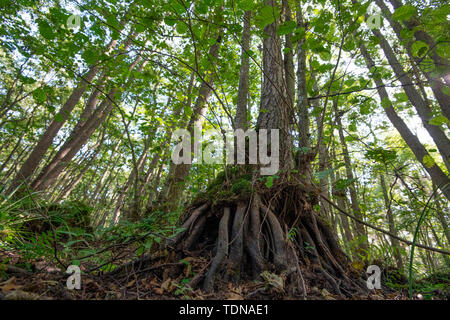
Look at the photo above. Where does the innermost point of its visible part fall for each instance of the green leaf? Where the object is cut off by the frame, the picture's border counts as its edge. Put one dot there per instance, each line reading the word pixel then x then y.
pixel 440 14
pixel 269 181
pixel 181 27
pixel 140 251
pixel 341 184
pixel 90 56
pixel 365 108
pixel 323 174
pixel 386 103
pixel 404 12
pixel 439 120
pixel 419 49
pixel 406 34
pixel 266 16
pixel 59 117
pixel 187 111
pixel 39 95
pixel 325 55
pixel 381 155
pixel 428 161
pixel 177 7
pixel 246 5
pixel 443 50
pixel 76 262
pixel 112 21
pixel 286 28
pixel 45 29
pixel 446 90
pixel 401 97
pixel 170 21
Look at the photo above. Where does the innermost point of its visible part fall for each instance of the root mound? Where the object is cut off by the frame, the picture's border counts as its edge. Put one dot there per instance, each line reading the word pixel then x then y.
pixel 275 238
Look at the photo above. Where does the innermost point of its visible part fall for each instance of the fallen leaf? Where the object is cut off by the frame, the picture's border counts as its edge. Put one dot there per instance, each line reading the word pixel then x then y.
pixel 234 296
pixel 158 291
pixel 166 284
pixel 23 295
pixel 10 285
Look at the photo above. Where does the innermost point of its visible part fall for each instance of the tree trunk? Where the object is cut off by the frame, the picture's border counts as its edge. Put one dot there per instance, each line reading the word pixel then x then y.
pixel 436 84
pixel 421 35
pixel 46 140
pixel 437 176
pixel 302 94
pixel 79 137
pixel 423 110
pixel 360 230
pixel 395 243
pixel 274 106
pixel 240 121
pixel 178 173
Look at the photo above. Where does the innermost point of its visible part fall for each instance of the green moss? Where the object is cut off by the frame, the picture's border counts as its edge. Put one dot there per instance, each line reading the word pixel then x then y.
pixel 241 185
pixel 227 185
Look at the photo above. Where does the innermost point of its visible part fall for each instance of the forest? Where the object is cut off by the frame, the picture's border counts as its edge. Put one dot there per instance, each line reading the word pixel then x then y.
pixel 224 149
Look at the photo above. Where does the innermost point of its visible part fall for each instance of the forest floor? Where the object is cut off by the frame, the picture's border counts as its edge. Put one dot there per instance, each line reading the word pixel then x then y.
pixel 161 281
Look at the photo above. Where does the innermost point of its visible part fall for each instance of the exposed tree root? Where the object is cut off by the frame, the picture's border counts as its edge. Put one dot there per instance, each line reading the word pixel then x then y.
pixel 280 234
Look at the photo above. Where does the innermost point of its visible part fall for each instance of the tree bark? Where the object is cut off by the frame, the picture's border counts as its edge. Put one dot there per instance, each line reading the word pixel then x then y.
pixel 420 34
pixel 46 140
pixel 302 94
pixel 274 107
pixel 437 175
pixel 423 110
pixel 171 194
pixel 436 83
pixel 241 111
pixel 394 242
pixel 360 230
pixel 79 136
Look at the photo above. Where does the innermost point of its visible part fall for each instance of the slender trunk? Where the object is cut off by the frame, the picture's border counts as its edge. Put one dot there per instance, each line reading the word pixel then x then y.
pixel 46 140
pixel 420 34
pixel 78 138
pixel 395 243
pixel 441 217
pixel 241 111
pixel 423 110
pixel 176 179
pixel 134 211
pixel 325 207
pixel 16 146
pixel 105 172
pixel 340 196
pixel 360 230
pixel 288 60
pixel 4 106
pixel 13 168
pixel 73 145
pixel 437 84
pixel 153 190
pixel 302 94
pixel 437 175
pixel 127 185
pixel 68 188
